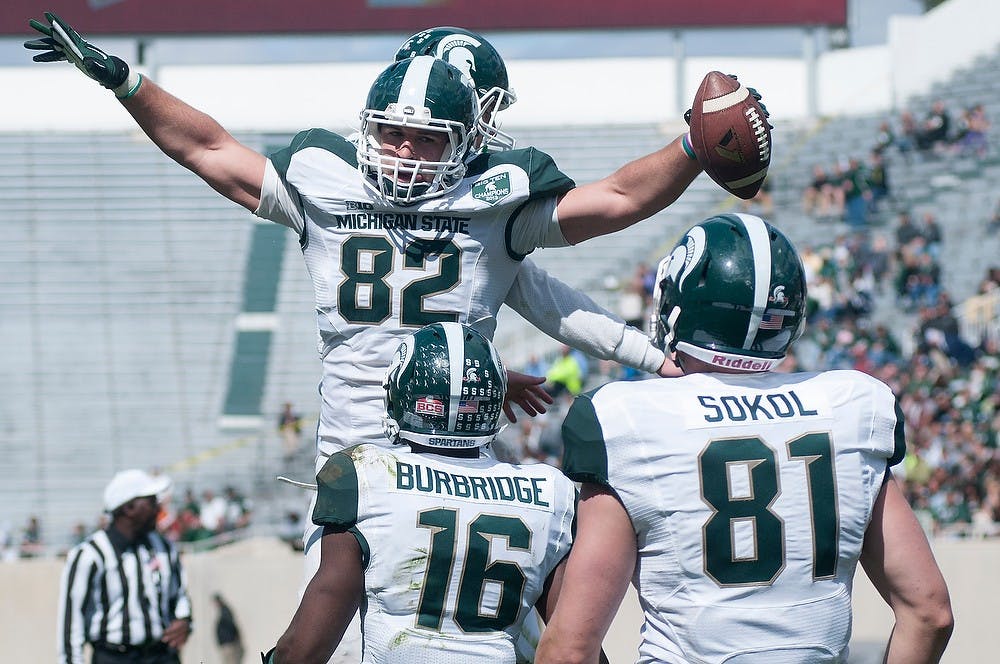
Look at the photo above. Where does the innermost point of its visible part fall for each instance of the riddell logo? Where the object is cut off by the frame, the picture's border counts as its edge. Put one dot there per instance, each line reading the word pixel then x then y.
pixel 742 364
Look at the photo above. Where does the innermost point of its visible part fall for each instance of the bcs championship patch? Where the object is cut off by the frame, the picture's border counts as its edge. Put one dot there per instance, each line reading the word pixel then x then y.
pixel 429 406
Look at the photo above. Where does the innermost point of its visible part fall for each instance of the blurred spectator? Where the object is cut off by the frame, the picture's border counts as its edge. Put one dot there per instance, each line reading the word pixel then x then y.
pixel 291 529
pixel 227 633
pixel 31 539
pixel 856 194
pixel 884 139
pixel 972 137
pixel 633 301
pixel 565 375
pixel 933 134
pixel 907 140
pixel 238 509
pixel 931 232
pixel 213 511
pixel 877 181
pixel 823 198
pixel 905 230
pixel 290 428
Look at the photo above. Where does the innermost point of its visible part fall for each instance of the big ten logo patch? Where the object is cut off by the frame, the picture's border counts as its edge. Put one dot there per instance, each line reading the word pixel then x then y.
pixel 492 189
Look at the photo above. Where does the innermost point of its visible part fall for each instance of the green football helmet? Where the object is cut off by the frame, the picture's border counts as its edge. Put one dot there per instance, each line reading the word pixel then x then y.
pixel 422 93
pixel 732 293
pixel 444 388
pixel 481 62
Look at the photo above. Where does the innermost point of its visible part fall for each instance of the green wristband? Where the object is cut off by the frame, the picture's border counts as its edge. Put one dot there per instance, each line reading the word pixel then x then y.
pixel 688 150
pixel 129 87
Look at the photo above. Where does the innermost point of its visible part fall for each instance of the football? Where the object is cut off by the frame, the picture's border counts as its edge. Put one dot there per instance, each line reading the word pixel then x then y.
pixel 730 135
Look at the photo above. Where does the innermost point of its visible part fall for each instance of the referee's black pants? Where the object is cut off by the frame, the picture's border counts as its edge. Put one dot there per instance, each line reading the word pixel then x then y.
pixel 155 653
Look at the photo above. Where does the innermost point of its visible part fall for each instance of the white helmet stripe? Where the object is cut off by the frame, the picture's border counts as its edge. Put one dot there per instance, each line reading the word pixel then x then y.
pixel 760 245
pixel 413 90
pixel 455 337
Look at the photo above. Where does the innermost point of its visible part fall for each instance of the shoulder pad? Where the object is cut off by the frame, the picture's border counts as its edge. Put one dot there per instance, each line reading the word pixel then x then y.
pixel 585 457
pixel 337 492
pixel 314 138
pixel 544 176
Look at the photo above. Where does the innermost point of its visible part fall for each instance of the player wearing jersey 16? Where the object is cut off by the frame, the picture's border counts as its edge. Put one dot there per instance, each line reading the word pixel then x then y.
pixel 741 499
pixel 444 548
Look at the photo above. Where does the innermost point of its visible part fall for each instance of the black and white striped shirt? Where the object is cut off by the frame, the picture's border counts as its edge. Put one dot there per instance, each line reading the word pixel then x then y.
pixel 119 592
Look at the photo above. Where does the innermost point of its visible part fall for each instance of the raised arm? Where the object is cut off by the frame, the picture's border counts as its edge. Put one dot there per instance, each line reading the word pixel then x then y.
pixel 573 318
pixel 898 560
pixel 634 192
pixel 183 133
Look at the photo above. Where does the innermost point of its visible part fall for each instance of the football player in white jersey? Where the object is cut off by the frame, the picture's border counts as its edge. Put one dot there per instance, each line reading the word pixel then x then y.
pixel 396 235
pixel 442 547
pixel 739 501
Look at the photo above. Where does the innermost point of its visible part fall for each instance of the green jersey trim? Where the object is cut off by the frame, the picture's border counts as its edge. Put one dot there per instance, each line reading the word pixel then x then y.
pixel 315 138
pixel 585 457
pixel 544 176
pixel 337 493
pixel 899 435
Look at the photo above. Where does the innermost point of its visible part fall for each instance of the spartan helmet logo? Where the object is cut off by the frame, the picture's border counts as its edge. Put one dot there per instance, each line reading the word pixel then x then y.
pixel 778 296
pixel 454 50
pixel 471 376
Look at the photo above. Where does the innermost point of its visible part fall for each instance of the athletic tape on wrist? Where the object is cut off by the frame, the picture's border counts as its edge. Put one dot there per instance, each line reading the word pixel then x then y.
pixel 130 86
pixel 688 150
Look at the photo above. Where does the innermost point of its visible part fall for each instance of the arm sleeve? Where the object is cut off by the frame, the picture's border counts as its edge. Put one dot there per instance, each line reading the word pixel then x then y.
pixel 573 318
pixel 279 202
pixel 73 593
pixel 534 224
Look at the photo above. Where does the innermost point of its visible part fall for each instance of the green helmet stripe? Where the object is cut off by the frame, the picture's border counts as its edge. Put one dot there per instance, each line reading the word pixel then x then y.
pixel 413 90
pixel 760 245
pixel 455 338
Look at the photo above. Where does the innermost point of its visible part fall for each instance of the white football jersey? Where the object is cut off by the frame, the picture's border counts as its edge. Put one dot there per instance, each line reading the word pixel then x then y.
pixel 381 271
pixel 456 551
pixel 750 496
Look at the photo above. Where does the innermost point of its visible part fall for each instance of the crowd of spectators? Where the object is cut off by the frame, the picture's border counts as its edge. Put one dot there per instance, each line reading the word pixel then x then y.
pixel 214 518
pixel 849 190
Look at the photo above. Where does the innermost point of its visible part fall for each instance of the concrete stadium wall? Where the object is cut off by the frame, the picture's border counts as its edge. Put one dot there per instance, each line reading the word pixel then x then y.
pixel 260 579
pixel 288 97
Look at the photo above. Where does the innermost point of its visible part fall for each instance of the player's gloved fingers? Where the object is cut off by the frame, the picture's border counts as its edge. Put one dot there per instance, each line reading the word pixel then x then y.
pixel 687 117
pixel 68 39
pixel 51 56
pixel 44 44
pixel 41 27
pixel 732 76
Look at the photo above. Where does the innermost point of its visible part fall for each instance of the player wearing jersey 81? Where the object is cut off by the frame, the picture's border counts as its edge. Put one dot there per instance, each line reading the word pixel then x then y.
pixel 445 549
pixel 741 499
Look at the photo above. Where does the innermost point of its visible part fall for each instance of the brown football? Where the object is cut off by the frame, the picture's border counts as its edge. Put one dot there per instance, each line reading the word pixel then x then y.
pixel 730 134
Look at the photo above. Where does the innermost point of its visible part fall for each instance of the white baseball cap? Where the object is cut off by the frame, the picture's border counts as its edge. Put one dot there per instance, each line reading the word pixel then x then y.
pixel 134 483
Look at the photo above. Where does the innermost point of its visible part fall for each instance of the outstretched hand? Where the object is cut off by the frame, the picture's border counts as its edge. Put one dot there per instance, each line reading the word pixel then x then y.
pixel 61 42
pixel 527 392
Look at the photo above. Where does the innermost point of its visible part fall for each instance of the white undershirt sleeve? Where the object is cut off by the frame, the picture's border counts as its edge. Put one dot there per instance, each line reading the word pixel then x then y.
pixel 534 225
pixel 573 318
pixel 279 202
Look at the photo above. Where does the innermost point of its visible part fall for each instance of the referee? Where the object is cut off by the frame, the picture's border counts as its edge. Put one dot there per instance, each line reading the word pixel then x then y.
pixel 123 590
